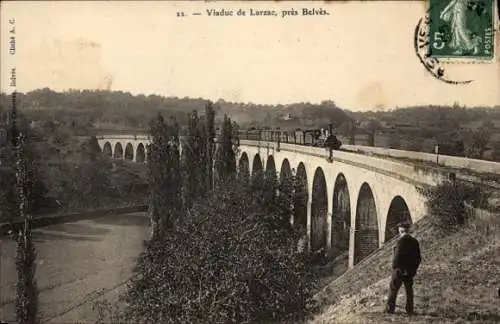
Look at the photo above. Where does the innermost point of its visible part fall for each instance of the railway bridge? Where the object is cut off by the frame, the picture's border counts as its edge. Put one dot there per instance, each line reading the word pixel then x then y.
pixel 344 202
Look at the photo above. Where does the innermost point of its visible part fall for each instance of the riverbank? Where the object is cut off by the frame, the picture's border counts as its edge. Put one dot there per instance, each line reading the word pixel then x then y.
pixel 62 216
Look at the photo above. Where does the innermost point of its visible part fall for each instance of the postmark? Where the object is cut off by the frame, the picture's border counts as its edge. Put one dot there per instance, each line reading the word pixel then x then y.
pixel 461 29
pixel 433 65
pixel 451 68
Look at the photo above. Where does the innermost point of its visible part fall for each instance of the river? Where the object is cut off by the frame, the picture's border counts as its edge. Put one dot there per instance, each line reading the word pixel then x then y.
pixel 76 262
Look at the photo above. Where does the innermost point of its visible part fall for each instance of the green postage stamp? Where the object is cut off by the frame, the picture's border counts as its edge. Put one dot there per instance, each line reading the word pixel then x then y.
pixel 461 29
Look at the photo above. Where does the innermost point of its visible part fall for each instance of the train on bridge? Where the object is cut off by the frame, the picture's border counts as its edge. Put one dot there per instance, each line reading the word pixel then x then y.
pixel 318 137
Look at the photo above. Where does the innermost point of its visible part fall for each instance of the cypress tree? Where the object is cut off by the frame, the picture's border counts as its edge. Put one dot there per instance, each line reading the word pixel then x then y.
pixel 194 161
pixel 174 193
pixel 226 163
pixel 210 145
pixel 164 175
pixel 27 292
pixel 286 200
pixel 8 200
pixel 352 133
pixel 94 171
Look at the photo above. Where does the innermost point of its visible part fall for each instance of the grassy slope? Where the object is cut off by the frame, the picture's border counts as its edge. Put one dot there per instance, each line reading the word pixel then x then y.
pixel 457 282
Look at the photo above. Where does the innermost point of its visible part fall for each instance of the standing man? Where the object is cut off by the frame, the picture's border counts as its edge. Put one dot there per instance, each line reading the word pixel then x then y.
pixel 405 263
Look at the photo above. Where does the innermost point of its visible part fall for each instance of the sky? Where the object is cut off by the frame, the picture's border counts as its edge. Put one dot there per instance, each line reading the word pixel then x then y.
pixel 361 55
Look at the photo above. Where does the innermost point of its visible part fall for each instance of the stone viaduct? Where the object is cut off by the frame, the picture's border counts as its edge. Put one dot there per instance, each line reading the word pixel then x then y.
pixel 350 203
pixel 133 148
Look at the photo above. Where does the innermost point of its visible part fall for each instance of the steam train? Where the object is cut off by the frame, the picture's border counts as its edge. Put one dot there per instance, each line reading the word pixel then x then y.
pixel 310 137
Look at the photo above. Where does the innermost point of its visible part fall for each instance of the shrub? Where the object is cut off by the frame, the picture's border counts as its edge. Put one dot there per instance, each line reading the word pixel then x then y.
pixel 227 261
pixel 450 203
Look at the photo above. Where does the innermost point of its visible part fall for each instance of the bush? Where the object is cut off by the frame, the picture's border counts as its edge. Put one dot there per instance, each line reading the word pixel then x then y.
pixel 227 261
pixel 450 203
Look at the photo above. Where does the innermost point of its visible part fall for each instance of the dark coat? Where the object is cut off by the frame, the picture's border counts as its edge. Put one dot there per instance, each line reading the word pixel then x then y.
pixel 407 255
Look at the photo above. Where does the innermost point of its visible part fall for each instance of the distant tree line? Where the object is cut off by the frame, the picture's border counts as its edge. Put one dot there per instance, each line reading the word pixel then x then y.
pixel 458 131
pixel 88 110
pixel 417 128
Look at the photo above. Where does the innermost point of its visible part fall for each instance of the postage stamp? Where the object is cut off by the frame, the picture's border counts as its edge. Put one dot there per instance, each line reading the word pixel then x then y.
pixel 461 29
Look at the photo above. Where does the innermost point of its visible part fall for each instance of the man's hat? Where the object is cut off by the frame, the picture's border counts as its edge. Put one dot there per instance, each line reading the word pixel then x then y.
pixel 404 225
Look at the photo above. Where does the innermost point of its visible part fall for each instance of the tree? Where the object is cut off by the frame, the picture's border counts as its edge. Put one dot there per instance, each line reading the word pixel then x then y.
pixel 415 145
pixel 480 140
pixel 195 160
pixel 92 175
pixel 226 263
pixel 451 144
pixel 210 138
pixel 495 154
pixel 394 142
pixel 16 190
pixel 7 177
pixel 373 127
pixel 285 206
pixel 225 162
pixel 352 133
pixel 91 149
pixel 448 202
pixel 27 292
pixel 164 176
pixel 11 124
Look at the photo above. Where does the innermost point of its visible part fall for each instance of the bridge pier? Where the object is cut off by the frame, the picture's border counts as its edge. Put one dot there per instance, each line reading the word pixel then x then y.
pixel 309 219
pixel 329 217
pixel 352 234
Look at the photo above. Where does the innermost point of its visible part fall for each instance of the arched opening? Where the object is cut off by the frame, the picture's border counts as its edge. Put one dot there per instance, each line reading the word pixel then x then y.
pixel 398 212
pixel 129 152
pixel 118 153
pixel 257 171
pixel 301 199
pixel 148 152
pixel 286 190
pixel 341 217
pixel 140 155
pixel 319 209
pixel 271 168
pixel 285 171
pixel 107 150
pixel 366 237
pixel 271 177
pixel 244 168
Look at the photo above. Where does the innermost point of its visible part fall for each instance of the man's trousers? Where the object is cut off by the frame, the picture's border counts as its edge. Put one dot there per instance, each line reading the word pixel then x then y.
pixel 397 279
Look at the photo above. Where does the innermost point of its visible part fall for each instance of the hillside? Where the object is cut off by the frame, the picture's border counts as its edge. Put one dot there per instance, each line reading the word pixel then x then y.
pixel 457 282
pixel 88 110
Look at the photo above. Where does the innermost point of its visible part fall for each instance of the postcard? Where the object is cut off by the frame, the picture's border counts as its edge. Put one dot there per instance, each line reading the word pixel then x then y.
pixel 249 161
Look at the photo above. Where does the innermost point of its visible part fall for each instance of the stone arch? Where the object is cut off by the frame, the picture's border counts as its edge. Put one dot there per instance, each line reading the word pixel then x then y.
pixel 319 210
pixel 341 216
pixel 271 178
pixel 148 152
pixel 301 198
pixel 140 155
pixel 257 169
pixel 244 167
pixel 398 212
pixel 285 171
pixel 286 190
pixel 107 150
pixel 366 237
pixel 118 151
pixel 271 167
pixel 129 152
